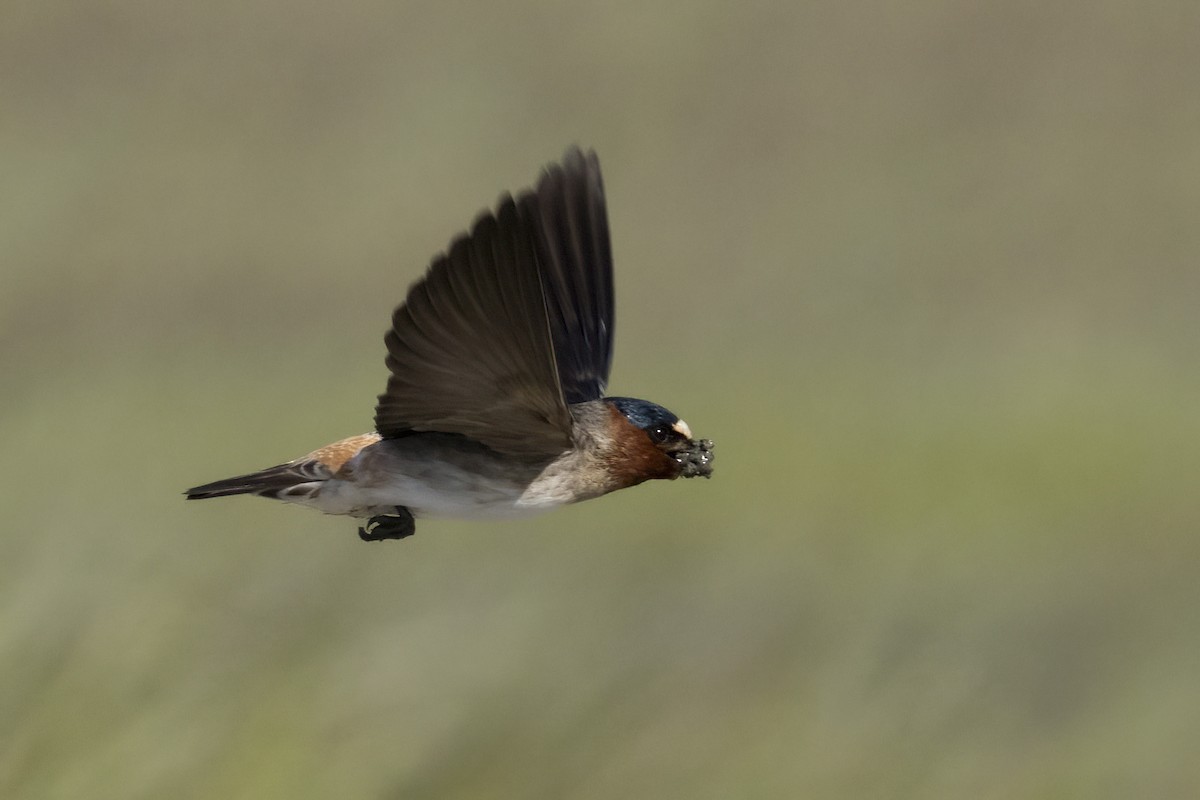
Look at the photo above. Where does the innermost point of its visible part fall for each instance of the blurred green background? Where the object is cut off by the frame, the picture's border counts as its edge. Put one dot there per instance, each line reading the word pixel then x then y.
pixel 925 271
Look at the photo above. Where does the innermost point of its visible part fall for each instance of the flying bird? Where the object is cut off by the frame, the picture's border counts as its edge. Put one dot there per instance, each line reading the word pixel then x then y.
pixel 499 359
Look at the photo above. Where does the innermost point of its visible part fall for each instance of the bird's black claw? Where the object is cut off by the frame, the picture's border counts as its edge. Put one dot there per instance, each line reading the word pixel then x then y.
pixel 400 525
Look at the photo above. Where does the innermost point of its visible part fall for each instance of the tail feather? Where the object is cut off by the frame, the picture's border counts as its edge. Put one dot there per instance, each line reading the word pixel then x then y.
pixel 264 483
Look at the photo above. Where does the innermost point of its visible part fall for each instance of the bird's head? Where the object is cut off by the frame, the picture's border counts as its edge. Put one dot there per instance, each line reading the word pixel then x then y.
pixel 654 443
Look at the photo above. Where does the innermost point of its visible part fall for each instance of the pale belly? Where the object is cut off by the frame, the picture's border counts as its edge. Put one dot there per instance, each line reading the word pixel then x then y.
pixel 425 499
pixel 434 476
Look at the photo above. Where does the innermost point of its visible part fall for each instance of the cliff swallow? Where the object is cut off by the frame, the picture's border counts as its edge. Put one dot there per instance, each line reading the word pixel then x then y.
pixel 499 358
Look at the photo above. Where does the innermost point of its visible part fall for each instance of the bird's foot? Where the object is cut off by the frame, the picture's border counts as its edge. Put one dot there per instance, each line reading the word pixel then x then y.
pixel 400 525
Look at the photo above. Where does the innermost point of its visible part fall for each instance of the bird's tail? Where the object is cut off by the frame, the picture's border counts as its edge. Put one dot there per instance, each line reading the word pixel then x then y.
pixel 296 481
pixel 264 483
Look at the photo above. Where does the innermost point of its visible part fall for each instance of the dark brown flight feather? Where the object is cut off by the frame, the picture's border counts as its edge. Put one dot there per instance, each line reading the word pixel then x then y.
pixel 513 323
pixel 575 257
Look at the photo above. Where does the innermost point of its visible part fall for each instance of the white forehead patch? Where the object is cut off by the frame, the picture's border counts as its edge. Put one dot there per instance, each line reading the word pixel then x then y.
pixel 682 429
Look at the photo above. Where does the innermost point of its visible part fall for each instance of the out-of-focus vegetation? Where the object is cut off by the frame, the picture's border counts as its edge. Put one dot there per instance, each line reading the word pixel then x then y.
pixel 926 272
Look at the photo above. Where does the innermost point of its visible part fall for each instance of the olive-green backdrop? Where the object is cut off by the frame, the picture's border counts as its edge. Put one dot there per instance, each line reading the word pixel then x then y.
pixel 926 272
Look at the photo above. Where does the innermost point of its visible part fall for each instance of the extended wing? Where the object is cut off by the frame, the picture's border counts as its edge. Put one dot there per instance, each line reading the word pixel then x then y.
pixel 512 324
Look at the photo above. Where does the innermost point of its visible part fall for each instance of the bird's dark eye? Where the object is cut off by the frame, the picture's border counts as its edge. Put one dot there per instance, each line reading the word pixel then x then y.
pixel 661 434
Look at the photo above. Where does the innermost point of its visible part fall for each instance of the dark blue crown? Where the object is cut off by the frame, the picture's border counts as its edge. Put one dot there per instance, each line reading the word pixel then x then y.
pixel 643 413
